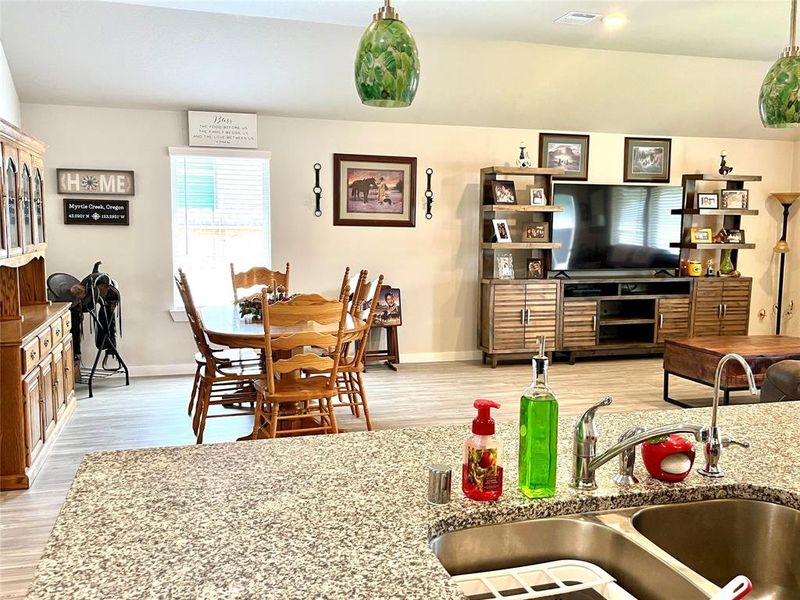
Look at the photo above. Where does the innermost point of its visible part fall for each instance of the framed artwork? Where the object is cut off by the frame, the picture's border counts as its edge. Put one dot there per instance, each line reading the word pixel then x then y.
pixel 91 182
pixel 503 265
pixel 566 151
pixel 538 197
pixel 503 192
pixel 535 268
pixel 388 312
pixel 707 200
pixel 700 235
pixel 536 232
pixel 735 198
pixel 735 236
pixel 374 191
pixel 502 233
pixel 647 159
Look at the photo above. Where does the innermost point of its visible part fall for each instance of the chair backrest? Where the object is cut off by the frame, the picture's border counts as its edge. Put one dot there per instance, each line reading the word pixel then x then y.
pixel 361 347
pixel 319 323
pixel 360 287
pixel 258 276
pixel 345 283
pixel 195 320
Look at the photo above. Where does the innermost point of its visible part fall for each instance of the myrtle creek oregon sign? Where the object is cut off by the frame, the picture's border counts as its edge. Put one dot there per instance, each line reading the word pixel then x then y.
pixel 91 182
pixel 96 212
pixel 223 130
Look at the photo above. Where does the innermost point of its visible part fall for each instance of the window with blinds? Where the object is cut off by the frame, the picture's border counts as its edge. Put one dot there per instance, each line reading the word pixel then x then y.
pixel 627 214
pixel 642 215
pixel 220 215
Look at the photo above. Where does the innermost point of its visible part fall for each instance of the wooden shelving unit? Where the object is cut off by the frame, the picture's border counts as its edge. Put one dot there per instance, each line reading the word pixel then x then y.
pixel 520 208
pixel 727 218
pixel 520 245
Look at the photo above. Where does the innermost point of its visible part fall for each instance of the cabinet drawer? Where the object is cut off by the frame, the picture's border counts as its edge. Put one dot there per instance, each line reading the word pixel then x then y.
pixel 57 331
pixel 45 342
pixel 30 355
pixel 66 322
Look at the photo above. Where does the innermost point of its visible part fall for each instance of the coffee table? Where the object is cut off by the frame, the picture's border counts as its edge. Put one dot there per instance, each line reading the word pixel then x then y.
pixel 696 359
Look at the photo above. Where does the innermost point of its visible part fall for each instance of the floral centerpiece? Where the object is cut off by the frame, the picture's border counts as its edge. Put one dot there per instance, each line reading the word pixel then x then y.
pixel 251 309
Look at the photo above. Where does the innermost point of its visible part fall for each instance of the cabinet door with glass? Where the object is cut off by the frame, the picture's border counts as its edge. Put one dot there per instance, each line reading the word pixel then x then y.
pixel 38 201
pixel 25 216
pixel 11 200
pixel 3 242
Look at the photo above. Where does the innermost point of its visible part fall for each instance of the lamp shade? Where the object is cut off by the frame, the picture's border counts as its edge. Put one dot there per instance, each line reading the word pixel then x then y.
pixel 779 100
pixel 387 64
pixel 782 247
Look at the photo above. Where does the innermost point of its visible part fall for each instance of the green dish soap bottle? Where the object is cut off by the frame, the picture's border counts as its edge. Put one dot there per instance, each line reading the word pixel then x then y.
pixel 538 433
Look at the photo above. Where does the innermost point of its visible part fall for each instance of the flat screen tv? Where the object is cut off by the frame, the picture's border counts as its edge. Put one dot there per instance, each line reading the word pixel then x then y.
pixel 616 227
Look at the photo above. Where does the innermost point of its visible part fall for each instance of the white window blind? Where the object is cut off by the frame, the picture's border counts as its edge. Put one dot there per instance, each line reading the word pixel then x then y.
pixel 662 226
pixel 627 213
pixel 220 215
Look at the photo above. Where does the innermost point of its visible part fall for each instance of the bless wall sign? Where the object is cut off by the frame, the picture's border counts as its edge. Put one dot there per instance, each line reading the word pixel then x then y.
pixel 89 182
pixel 96 212
pixel 223 130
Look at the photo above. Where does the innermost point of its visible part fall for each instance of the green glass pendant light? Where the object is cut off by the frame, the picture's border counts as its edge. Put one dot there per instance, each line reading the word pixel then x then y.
pixel 779 100
pixel 387 63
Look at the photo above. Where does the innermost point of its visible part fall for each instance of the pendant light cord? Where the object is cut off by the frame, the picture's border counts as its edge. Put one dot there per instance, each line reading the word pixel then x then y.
pixel 793 27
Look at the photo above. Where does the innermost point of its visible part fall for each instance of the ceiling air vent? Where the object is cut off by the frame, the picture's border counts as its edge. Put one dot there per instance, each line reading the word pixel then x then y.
pixel 575 17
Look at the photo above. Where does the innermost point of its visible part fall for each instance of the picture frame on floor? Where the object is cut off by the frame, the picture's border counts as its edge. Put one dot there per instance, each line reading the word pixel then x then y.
pixel 735 199
pixel 708 200
pixel 535 268
pixel 647 160
pixel 565 151
pixel 502 232
pixel 374 191
pixel 503 265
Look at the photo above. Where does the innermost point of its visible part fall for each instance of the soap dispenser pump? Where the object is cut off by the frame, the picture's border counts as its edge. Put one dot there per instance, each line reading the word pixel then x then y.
pixel 482 468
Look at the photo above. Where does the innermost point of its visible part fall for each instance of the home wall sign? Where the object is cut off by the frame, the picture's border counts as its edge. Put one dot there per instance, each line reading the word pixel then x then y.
pixel 96 212
pixel 89 182
pixel 223 130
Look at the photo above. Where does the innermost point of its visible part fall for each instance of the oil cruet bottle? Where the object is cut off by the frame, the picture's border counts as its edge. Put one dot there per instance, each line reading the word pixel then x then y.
pixel 538 433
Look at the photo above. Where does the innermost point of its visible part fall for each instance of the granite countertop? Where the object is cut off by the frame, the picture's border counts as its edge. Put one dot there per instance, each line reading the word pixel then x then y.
pixel 344 516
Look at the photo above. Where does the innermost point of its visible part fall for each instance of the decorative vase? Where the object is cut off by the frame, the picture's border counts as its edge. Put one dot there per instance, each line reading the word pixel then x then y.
pixel 726 263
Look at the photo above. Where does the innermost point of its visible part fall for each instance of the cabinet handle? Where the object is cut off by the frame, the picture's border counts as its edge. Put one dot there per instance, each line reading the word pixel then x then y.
pixel 594 323
pixel 46 343
pixel 719 311
pixel 724 310
pixel 522 316
pixel 661 321
pixel 528 318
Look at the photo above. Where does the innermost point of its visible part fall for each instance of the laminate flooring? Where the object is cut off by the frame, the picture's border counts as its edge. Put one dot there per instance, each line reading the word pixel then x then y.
pixel 152 412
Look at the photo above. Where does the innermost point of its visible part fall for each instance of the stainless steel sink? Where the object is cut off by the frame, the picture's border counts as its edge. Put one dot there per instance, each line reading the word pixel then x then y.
pixel 720 539
pixel 490 547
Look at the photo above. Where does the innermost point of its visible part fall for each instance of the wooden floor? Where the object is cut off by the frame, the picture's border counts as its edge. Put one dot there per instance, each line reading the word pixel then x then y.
pixel 152 412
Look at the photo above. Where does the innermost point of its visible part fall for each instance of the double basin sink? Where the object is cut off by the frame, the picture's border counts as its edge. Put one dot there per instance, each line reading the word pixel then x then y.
pixel 666 552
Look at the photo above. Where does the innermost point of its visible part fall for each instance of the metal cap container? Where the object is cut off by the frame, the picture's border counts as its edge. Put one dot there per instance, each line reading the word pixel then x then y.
pixel 440 480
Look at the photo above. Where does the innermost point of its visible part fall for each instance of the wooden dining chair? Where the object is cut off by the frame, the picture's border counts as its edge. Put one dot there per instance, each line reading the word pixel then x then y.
pixel 222 380
pixel 258 276
pixel 352 392
pixel 297 377
pixel 345 284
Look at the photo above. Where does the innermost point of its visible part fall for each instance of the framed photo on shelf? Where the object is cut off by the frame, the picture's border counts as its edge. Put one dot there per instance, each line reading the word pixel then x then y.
pixel 502 192
pixel 535 268
pixel 735 198
pixel 502 233
pixel 503 265
pixel 566 151
pixel 700 235
pixel 647 159
pixel 374 191
pixel 707 200
pixel 538 197
pixel 734 236
pixel 537 232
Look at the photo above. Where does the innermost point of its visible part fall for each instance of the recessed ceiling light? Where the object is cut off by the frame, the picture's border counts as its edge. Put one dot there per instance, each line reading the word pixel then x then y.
pixel 575 17
pixel 615 20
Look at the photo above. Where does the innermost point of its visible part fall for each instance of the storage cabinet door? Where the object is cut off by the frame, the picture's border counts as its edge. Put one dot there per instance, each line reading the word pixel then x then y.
pixel 59 397
pixel 68 368
pixel 541 303
pixel 3 233
pixel 735 306
pixel 32 410
pixel 38 201
pixel 46 396
pixel 26 216
pixel 10 204
pixel 673 318
pixel 707 307
pixel 508 317
pixel 580 324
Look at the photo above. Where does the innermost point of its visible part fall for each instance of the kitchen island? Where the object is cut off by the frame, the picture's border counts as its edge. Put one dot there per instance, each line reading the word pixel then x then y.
pixel 346 516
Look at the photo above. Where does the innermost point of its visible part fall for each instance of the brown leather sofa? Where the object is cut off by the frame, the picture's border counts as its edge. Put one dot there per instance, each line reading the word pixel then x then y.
pixel 781 382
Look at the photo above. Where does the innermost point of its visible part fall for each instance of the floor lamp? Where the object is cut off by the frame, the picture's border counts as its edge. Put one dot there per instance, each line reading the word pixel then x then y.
pixel 782 248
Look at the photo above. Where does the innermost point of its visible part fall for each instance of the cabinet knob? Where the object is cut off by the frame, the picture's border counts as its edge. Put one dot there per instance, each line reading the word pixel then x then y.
pixel 33 354
pixel 46 343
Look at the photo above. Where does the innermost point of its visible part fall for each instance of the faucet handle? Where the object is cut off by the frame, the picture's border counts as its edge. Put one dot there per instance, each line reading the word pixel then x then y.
pixel 588 416
pixel 627 459
pixel 729 441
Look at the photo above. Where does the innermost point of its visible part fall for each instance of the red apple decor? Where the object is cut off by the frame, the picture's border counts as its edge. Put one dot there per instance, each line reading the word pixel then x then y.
pixel 668 458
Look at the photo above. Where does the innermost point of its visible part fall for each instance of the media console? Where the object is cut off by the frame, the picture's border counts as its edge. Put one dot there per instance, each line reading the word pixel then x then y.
pixel 607 316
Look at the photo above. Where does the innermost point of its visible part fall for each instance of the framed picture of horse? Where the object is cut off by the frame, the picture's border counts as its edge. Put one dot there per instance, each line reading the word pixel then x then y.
pixel 374 191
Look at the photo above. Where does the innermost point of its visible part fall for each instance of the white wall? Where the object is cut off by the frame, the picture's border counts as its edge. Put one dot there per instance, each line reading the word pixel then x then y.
pixel 435 263
pixel 9 101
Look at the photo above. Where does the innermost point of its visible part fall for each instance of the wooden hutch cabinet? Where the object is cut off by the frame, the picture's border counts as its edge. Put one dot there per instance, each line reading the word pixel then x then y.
pixel 36 357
